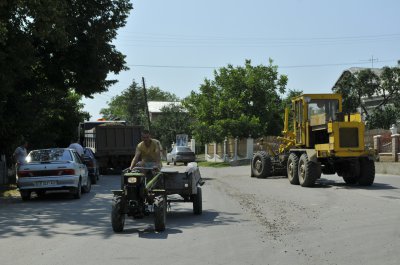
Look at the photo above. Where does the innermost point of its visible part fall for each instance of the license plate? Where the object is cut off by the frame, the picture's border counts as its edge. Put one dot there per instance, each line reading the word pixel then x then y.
pixel 45 183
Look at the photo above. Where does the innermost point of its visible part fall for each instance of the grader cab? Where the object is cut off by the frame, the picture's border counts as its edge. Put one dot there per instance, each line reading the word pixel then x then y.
pixel 321 139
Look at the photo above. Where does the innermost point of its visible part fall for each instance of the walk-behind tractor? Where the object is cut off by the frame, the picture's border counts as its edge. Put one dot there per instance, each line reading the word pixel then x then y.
pixel 321 139
pixel 145 191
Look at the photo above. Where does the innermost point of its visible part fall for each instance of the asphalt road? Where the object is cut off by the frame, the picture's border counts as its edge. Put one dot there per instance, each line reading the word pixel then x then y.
pixel 244 221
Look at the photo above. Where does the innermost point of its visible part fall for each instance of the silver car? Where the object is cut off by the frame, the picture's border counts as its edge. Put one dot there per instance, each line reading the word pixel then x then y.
pixel 181 154
pixel 53 169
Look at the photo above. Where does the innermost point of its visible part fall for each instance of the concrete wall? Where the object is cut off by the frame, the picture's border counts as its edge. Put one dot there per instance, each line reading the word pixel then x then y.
pixel 391 168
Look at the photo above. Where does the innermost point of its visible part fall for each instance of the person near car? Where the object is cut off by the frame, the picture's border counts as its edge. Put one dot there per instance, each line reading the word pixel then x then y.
pixel 148 152
pixel 20 153
pixel 77 147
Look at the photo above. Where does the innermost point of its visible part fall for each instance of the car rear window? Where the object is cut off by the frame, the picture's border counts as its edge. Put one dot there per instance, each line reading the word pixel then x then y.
pixel 88 152
pixel 45 155
pixel 183 149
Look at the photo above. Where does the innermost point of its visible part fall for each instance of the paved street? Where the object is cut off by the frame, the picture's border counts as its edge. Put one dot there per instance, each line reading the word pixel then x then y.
pixel 244 221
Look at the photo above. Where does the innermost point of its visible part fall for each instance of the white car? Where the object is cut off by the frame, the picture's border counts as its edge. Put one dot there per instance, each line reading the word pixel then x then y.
pixel 53 169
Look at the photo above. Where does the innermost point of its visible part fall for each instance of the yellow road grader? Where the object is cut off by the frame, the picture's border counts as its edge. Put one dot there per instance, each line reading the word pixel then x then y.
pixel 322 139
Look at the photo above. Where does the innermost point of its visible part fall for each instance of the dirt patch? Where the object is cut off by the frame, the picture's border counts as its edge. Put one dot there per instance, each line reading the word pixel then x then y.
pixel 277 217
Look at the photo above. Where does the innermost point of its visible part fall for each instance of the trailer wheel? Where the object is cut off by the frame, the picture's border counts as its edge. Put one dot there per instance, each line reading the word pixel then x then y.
pixel 197 202
pixel 308 171
pixel 160 214
pixel 261 166
pixel 367 172
pixel 117 216
pixel 292 169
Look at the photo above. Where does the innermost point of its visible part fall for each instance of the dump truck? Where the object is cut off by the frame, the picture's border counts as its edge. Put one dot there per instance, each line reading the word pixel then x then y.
pixel 113 142
pixel 321 139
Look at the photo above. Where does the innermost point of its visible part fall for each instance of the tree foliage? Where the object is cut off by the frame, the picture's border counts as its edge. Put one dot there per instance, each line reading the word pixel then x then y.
pixel 174 120
pixel 51 54
pixel 359 88
pixel 130 104
pixel 239 102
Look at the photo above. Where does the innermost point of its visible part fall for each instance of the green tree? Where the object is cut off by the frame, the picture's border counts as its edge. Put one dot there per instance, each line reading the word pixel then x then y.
pixel 130 104
pixel 174 120
pixel 240 101
pixel 359 88
pixel 51 54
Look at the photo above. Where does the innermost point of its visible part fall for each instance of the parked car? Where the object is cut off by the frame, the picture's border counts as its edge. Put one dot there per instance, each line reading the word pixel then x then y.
pixel 53 169
pixel 181 154
pixel 91 163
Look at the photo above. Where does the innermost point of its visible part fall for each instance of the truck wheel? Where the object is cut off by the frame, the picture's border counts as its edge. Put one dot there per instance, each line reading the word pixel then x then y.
pixel 160 214
pixel 198 202
pixel 308 171
pixel 367 172
pixel 117 216
pixel 25 195
pixel 292 169
pixel 261 166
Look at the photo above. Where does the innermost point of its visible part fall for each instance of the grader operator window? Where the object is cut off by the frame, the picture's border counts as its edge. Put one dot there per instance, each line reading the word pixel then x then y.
pixel 322 110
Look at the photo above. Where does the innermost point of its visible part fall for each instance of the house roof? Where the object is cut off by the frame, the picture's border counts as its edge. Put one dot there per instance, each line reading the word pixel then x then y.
pixel 156 106
pixel 353 70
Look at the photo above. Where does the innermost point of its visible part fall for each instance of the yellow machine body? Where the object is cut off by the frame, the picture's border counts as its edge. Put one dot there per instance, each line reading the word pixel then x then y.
pixel 319 124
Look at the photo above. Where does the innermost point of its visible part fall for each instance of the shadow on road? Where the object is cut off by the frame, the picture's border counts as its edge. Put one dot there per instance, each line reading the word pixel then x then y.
pixel 327 183
pixel 59 213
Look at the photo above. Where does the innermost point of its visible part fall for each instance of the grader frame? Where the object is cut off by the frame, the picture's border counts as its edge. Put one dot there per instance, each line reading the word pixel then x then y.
pixel 321 139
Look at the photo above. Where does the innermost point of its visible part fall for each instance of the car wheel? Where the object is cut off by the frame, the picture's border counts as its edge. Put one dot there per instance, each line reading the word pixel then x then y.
pixel 93 178
pixel 41 193
pixel 25 195
pixel 78 190
pixel 88 186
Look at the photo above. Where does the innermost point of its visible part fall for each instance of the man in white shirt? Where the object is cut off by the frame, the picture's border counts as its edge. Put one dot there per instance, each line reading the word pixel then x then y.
pixel 77 147
pixel 20 153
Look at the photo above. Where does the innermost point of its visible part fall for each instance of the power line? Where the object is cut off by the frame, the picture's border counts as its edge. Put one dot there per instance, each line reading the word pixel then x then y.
pixel 170 41
pixel 284 66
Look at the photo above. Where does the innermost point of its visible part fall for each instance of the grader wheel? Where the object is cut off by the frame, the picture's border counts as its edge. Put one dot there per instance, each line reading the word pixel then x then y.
pixel 367 172
pixel 309 171
pixel 292 169
pixel 261 166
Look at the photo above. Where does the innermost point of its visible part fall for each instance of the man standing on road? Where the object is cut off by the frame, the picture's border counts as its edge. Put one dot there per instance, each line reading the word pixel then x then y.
pixel 148 151
pixel 77 147
pixel 20 153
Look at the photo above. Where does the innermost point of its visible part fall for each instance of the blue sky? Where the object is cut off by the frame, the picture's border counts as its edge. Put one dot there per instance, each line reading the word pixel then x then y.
pixel 176 44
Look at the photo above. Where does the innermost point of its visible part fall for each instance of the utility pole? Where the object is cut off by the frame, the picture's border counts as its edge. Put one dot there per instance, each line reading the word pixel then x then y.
pixel 146 104
pixel 372 60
